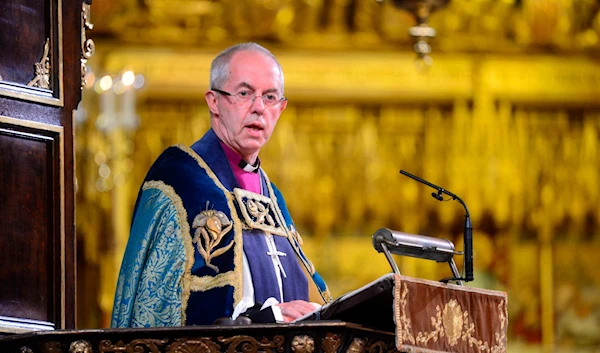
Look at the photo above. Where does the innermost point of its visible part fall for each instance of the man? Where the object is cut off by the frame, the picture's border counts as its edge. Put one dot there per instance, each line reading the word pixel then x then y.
pixel 211 237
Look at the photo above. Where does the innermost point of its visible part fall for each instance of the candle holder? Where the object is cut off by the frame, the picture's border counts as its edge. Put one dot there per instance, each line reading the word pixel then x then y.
pixel 422 33
pixel 111 99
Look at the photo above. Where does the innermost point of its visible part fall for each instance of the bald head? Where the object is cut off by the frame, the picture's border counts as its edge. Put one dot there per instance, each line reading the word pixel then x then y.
pixel 219 69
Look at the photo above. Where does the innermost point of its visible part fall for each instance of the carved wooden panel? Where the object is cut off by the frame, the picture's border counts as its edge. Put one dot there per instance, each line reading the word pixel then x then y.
pixel 315 337
pixel 41 68
pixel 31 55
pixel 31 226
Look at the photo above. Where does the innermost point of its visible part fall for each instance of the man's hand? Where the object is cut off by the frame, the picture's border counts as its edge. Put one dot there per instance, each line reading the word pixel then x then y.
pixel 295 309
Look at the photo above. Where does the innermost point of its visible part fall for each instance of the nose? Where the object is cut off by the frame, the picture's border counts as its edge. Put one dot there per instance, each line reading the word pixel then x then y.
pixel 258 105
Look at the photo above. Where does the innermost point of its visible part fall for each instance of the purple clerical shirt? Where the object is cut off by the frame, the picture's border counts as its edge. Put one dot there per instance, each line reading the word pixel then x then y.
pixel 248 180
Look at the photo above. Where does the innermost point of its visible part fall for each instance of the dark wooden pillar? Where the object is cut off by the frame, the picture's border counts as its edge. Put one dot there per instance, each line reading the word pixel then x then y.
pixel 40 85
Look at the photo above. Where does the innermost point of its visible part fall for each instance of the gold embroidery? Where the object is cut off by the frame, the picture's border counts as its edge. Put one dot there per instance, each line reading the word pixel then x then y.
pixel 296 236
pixel 258 212
pixel 237 228
pixel 423 337
pixel 501 336
pixel 237 250
pixel 453 321
pixel 186 238
pixel 202 284
pixel 296 241
pixel 450 322
pixel 263 213
pixel 403 322
pixel 209 233
pixel 464 331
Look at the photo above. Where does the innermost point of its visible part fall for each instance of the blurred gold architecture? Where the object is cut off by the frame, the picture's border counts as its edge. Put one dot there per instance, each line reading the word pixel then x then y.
pixel 507 117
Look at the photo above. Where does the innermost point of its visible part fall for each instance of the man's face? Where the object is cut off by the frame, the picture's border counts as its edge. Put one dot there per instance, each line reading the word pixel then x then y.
pixel 247 126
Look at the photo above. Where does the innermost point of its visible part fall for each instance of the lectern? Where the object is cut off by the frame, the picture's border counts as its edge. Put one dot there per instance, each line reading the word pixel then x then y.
pixel 393 313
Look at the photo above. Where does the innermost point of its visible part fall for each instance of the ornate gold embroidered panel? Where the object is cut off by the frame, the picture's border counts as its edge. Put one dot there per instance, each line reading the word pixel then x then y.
pixel 436 317
pixel 258 212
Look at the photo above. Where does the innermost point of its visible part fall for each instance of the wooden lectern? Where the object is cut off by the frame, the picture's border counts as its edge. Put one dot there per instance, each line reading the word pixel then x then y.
pixel 393 314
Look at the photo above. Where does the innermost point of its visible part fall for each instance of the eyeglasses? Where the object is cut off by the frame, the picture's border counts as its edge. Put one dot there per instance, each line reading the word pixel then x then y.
pixel 247 97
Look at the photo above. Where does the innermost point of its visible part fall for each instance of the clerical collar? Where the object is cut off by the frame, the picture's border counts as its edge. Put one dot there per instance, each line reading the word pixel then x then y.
pixel 235 159
pixel 250 168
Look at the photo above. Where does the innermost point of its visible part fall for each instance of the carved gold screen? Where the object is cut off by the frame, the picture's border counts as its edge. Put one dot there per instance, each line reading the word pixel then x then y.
pixel 511 128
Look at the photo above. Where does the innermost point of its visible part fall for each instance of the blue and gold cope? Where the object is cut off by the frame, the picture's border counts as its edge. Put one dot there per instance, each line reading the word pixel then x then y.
pixel 183 261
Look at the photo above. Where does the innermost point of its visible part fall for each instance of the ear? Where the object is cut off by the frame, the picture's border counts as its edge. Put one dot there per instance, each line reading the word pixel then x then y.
pixel 282 106
pixel 211 101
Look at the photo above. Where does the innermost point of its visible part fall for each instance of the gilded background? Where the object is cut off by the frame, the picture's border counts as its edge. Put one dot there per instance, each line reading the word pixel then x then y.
pixel 507 117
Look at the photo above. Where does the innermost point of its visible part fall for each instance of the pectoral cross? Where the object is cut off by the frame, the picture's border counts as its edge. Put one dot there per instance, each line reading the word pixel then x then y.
pixel 275 254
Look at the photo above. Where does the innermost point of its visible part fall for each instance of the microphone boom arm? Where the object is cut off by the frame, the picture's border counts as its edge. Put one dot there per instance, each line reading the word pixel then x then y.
pixel 467 230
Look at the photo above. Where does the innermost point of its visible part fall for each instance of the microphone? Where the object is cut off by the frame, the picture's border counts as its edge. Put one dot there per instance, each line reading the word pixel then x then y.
pixel 420 246
pixel 437 196
pixel 467 230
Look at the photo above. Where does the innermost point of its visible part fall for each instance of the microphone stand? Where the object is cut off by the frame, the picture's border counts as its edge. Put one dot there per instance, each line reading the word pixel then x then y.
pixel 467 230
